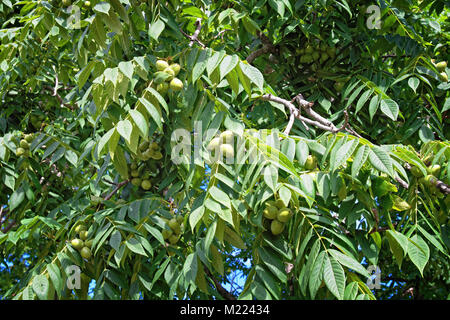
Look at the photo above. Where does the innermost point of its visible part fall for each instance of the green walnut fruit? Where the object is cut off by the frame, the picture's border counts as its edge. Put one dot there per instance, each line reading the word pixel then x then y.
pixel 176 68
pixel 276 227
pixel 416 172
pixel 29 138
pixel 311 162
pixel 270 212
pixel 280 204
pixel 66 3
pixel 441 66
pixel 88 243
pixel 83 235
pixel 434 170
pixel 166 233
pixel 444 77
pixel 309 49
pixel 173 239
pixel 339 85
pixel 213 144
pixel 154 146
pixel 135 173
pixel 157 155
pixel 284 215
pixel 331 52
pixel 180 219
pixel 316 55
pixel 77 243
pixel 87 4
pixel 162 88
pixel 161 65
pixel 80 227
pixel 146 184
pixel 428 181
pixel 170 72
pixel 148 154
pixel 136 182
pixel 174 225
pixel 226 136
pixel 86 253
pixel 227 150
pixel 176 84
pixel 20 152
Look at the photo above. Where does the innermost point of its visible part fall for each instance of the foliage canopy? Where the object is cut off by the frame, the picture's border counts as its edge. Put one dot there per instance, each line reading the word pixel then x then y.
pixel 111 162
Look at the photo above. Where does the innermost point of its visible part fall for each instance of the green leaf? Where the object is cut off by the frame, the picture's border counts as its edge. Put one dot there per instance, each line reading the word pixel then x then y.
pixel 190 268
pixel 127 69
pixel 16 198
pixel 363 99
pixel 135 245
pixel 301 152
pixel 344 153
pixel 153 112
pixel 373 106
pixel 115 240
pixel 273 263
pixel 418 252
pixel 140 122
pixel 390 108
pixel 227 65
pixel 102 7
pixel 55 276
pixel 359 159
pixel 200 65
pixel 381 161
pixel 316 274
pixel 124 128
pixel 41 286
pixel 253 74
pixel 334 277
pixel 349 262
pixel 156 28
pixel 195 217
pixel 351 291
pixel 220 196
pixel 413 83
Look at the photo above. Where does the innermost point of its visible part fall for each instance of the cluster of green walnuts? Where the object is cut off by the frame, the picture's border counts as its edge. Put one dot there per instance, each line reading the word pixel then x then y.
pixel 166 77
pixel 222 145
pixel 141 168
pixel 173 229
pixel 441 66
pixel 316 54
pixel 82 244
pixel 24 146
pixel 278 215
pixel 429 181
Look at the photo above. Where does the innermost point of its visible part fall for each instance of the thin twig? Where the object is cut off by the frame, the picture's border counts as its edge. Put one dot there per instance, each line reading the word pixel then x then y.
pixel 117 188
pixel 194 37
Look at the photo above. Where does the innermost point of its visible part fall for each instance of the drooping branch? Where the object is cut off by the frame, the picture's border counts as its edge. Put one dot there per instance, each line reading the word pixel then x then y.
pixel 222 291
pixel 194 37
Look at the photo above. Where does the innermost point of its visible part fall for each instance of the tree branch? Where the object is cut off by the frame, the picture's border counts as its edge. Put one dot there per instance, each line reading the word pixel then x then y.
pixel 117 188
pixel 194 37
pixel 222 291
pixel 267 47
